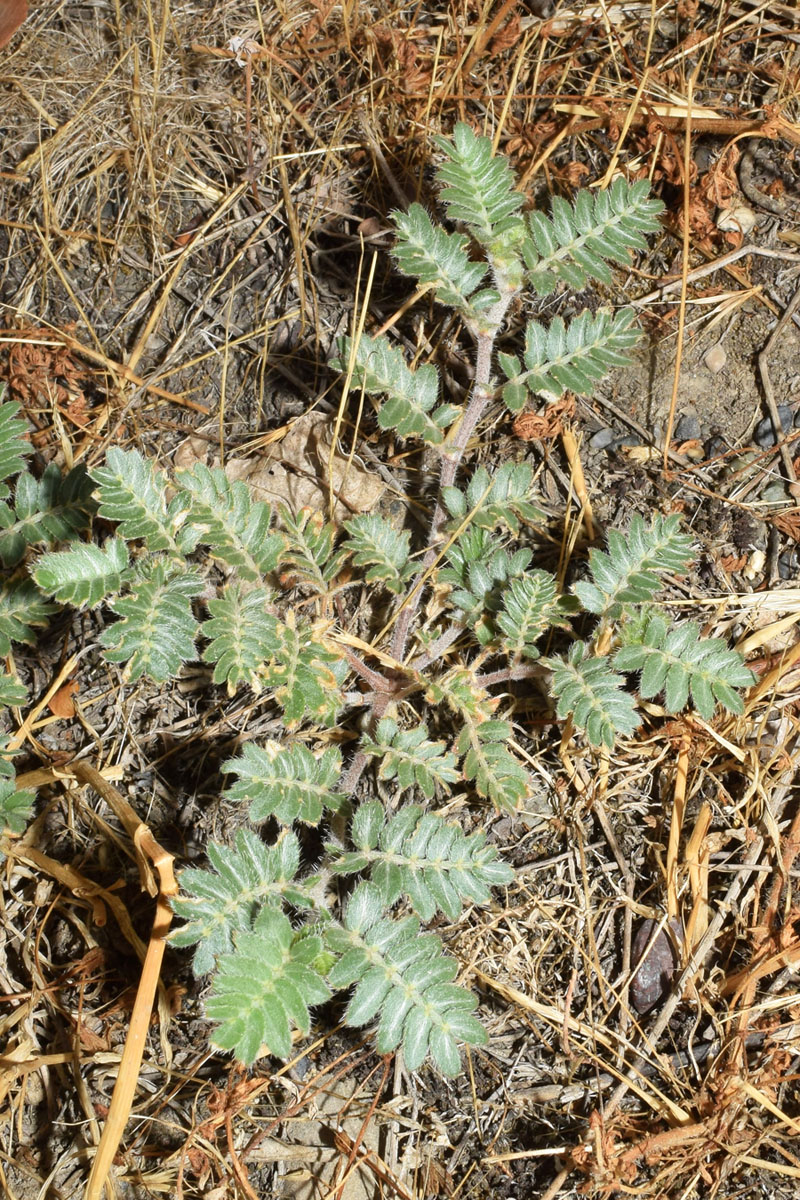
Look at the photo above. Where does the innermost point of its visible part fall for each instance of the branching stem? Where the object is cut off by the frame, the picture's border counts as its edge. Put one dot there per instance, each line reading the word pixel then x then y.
pixel 454 449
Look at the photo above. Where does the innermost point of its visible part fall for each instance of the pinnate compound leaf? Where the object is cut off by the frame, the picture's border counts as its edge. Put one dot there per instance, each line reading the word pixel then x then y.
pixel 132 492
pixel 479 572
pixel 628 573
pixel 406 978
pixel 308 557
pixel 157 630
pixel 266 987
pixel 22 610
pixel 680 662
pixel 382 549
pixel 489 501
pixel 530 606
pixel 426 251
pixel 14 445
pixel 224 516
pixel 592 693
pixel 578 240
pixel 477 187
pixel 285 781
pixel 16 807
pixel 420 855
pixel 84 575
pixel 381 370
pixel 458 690
pixel 242 636
pixel 227 899
pixel 45 511
pixel 304 674
pixel 408 757
pixel 488 762
pixel 574 356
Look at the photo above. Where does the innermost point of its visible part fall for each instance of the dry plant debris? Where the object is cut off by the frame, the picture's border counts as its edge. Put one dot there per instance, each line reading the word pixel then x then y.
pixel 181 232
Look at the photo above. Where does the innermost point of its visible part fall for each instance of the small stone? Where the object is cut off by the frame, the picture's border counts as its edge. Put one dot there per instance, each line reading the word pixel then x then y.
pixel 764 435
pixel 775 493
pixel 655 968
pixel 736 219
pixel 715 358
pixel 687 428
pixel 788 567
pixel 602 439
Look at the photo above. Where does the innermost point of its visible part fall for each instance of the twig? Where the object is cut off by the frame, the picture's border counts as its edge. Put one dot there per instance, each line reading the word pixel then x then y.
pixel 763 360
pixel 150 855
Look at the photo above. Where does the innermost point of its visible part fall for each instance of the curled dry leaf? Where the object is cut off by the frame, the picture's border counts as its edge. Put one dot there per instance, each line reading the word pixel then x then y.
pixel 192 449
pixel 297 472
pixel 12 14
pixel 61 703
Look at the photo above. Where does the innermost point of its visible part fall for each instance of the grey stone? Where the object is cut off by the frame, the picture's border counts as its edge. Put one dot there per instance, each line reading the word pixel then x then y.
pixel 687 428
pixel 764 435
pixel 602 439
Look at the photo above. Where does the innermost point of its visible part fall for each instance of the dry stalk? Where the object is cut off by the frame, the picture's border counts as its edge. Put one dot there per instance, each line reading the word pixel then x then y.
pixel 151 857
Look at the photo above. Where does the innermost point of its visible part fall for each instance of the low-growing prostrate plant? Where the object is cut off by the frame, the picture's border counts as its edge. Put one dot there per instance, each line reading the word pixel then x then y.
pixel 278 936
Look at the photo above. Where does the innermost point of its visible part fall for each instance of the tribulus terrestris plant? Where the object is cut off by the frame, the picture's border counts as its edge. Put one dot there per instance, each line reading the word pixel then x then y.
pixel 196 559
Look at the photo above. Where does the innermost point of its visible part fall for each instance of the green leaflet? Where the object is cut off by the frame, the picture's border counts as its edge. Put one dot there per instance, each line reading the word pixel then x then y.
pixel 384 551
pixel 479 573
pixel 410 396
pixel 496 773
pixel 45 511
pixel 308 558
pixel 578 240
pixel 287 782
pixel 156 631
pixel 478 188
pixel 420 855
pixel 227 899
pixel 224 517
pixel 304 675
pixel 678 661
pixel 403 976
pixel 530 606
pixel 574 356
pixel 132 492
pixel 242 636
pixel 14 445
pixel 15 807
pixel 84 575
pixel 629 572
pixel 23 609
pixel 408 757
pixel 265 987
pixel 441 259
pixel 589 691
pixel 503 499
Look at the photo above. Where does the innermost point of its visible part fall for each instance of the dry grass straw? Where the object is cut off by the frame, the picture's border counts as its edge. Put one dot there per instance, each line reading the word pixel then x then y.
pixel 185 229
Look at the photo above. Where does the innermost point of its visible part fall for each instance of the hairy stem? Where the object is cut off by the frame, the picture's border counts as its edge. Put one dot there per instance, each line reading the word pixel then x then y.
pixel 480 396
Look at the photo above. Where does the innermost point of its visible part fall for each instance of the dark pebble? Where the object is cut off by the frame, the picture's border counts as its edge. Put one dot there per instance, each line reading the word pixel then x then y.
pixel 654 977
pixel 602 439
pixel 764 435
pixel 687 429
pixel 788 566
